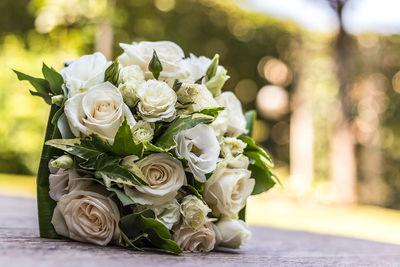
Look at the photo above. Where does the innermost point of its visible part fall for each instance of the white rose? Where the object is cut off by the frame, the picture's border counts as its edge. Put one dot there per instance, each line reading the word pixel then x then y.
pixel 99 110
pixel 220 124
pixel 236 121
pixel 197 67
pixel 200 148
pixel 233 233
pixel 198 94
pixel 87 216
pixel 200 240
pixel 194 211
pixel 168 213
pixel 143 131
pixel 62 181
pixel 169 54
pixel 165 176
pixel 128 92
pixel 231 146
pixel 157 101
pixel 85 72
pixel 129 73
pixel 228 188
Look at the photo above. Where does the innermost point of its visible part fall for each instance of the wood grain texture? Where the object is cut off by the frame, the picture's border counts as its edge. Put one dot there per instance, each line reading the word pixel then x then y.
pixel 20 245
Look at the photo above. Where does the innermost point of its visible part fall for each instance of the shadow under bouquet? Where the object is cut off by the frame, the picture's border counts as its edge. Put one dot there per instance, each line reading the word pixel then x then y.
pixel 147 152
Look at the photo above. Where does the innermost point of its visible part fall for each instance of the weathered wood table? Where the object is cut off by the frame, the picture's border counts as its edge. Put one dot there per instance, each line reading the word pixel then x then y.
pixel 21 246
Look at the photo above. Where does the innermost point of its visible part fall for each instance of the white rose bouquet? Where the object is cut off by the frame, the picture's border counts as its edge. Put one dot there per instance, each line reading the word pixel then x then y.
pixel 147 152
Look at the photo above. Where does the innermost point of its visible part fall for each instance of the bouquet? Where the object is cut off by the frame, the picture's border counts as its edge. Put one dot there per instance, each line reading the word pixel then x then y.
pixel 147 152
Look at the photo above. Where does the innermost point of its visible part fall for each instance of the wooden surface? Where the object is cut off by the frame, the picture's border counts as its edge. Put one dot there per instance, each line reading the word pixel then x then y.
pixel 21 246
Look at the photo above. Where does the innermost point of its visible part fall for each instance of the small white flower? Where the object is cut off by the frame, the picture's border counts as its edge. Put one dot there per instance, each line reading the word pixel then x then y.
pixel 87 216
pixel 99 110
pixel 197 67
pixel 168 213
pixel 236 122
pixel 169 54
pixel 233 233
pixel 200 148
pixel 194 211
pixel 157 101
pixel 228 188
pixel 231 147
pixel 132 72
pixel 85 72
pixel 143 131
pixel 128 91
pixel 200 240
pixel 165 176
pixel 198 95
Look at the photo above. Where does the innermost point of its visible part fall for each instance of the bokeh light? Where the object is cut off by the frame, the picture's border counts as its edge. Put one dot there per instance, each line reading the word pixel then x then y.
pixel 246 90
pixel 272 101
pixel 276 72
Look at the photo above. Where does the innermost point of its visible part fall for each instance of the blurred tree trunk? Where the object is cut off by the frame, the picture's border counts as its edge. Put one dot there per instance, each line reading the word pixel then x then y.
pixel 343 161
pixel 105 34
pixel 301 131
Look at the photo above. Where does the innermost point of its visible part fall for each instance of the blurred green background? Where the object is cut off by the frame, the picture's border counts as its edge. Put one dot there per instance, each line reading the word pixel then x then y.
pixel 328 101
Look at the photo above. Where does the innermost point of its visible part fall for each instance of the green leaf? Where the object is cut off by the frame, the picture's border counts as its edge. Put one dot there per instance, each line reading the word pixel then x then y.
pixel 212 69
pixel 137 224
pixel 215 84
pixel 54 78
pixel 242 214
pixel 41 85
pixel 46 97
pixel 152 148
pixel 260 166
pixel 124 144
pixel 118 174
pixel 63 127
pixel 194 191
pixel 57 116
pixel 263 179
pixel 252 146
pixel 112 73
pixel 251 117
pixel 125 200
pixel 155 65
pixel 44 202
pixel 211 111
pixel 167 142
pixel 78 147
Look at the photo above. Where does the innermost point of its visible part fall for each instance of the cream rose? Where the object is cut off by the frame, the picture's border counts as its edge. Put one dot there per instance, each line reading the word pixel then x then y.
pixel 157 101
pixel 165 176
pixel 87 216
pixel 168 213
pixel 198 95
pixel 194 212
pixel 233 233
pixel 228 188
pixel 143 131
pixel 200 240
pixel 128 92
pixel 236 122
pixel 232 147
pixel 169 54
pixel 130 73
pixel 85 72
pixel 200 148
pixel 197 67
pixel 62 181
pixel 99 110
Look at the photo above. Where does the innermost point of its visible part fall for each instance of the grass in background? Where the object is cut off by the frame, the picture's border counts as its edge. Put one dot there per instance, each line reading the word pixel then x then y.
pixel 366 222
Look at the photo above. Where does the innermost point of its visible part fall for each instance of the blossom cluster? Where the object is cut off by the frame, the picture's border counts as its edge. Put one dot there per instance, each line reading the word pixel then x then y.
pixel 147 151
